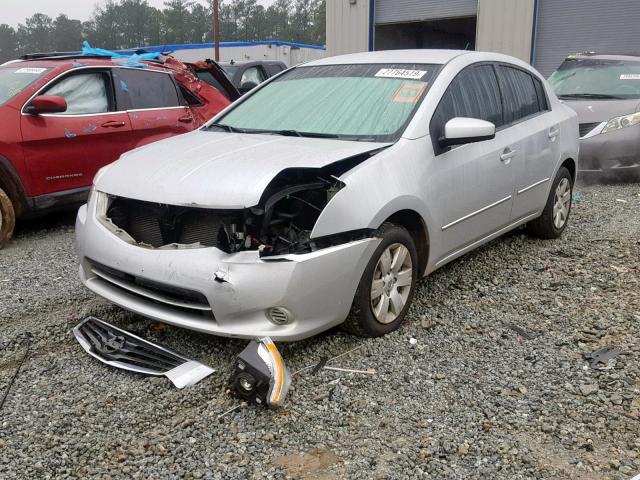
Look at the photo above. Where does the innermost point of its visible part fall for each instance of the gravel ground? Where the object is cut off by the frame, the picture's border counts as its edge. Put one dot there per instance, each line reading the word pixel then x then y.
pixel 493 384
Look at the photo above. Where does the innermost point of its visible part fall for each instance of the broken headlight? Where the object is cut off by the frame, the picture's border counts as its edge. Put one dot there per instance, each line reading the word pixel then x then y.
pixel 260 375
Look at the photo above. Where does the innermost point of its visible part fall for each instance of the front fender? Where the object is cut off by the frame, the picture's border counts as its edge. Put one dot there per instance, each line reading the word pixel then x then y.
pixel 376 189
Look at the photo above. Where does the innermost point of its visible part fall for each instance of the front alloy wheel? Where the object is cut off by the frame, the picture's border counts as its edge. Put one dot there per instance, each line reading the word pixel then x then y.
pixel 7 218
pixel 392 281
pixel 387 285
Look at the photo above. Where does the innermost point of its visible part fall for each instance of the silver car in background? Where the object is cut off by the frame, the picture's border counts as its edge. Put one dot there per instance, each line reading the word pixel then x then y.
pixel 324 194
pixel 605 92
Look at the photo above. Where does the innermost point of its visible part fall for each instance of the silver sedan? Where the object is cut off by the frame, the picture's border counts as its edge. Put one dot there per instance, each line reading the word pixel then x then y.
pixel 321 197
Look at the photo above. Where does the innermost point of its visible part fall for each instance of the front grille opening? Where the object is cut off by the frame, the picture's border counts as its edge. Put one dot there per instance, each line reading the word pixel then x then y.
pixel 158 225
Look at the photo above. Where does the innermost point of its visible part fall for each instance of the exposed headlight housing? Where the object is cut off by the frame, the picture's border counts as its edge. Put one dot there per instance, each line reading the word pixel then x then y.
pixel 624 121
pixel 260 375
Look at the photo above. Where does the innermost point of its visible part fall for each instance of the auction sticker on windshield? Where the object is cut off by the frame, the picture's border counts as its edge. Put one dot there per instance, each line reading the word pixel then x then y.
pixel 31 70
pixel 630 76
pixel 401 73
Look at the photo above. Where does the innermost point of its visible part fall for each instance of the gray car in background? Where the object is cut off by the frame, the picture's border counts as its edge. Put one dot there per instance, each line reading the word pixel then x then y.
pixel 245 76
pixel 604 90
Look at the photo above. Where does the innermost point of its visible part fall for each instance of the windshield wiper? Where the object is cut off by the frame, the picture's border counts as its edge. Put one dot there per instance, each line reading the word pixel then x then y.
pixel 295 133
pixel 590 95
pixel 226 128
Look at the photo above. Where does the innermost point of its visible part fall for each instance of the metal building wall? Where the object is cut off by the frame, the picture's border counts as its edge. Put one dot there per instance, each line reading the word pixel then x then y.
pixel 506 26
pixel 347 26
pixel 282 53
pixel 393 11
pixel 570 26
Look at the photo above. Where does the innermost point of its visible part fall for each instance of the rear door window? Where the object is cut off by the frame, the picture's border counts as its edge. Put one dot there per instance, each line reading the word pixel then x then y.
pixel 519 92
pixel 85 93
pixel 141 89
pixel 474 93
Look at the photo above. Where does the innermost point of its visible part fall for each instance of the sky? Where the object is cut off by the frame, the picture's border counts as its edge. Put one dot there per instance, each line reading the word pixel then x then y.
pixel 13 12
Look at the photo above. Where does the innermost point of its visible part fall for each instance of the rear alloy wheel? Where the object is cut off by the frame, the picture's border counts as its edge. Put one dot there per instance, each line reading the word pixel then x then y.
pixel 387 285
pixel 556 212
pixel 7 218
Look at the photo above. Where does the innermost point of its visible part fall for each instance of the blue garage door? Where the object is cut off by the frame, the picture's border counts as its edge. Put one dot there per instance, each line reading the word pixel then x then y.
pixel 570 26
pixel 393 11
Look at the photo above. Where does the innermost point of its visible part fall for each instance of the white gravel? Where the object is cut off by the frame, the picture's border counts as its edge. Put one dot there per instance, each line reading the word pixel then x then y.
pixel 494 385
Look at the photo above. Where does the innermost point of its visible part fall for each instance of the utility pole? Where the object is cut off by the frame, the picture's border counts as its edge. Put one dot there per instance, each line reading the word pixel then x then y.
pixel 216 29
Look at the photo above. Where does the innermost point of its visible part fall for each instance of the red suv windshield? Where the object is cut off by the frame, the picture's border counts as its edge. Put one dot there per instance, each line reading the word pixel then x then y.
pixel 14 79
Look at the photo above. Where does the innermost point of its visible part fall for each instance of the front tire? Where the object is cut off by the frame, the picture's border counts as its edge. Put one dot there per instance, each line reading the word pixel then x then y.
pixel 7 218
pixel 555 215
pixel 387 285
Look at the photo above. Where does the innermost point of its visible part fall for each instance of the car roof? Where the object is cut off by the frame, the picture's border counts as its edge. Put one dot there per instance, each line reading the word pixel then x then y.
pixel 605 56
pixel 393 57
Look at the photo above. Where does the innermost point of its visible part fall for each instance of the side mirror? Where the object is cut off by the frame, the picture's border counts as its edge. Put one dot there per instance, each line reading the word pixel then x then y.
pixel 247 86
pixel 462 130
pixel 46 104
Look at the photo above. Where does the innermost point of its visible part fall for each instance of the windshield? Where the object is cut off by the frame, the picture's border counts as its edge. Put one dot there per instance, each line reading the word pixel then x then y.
pixel 371 102
pixel 15 79
pixel 596 78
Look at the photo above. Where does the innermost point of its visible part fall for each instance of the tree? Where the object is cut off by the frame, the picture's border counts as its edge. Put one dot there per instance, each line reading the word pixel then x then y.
pixel 35 34
pixel 121 24
pixel 175 16
pixel 8 43
pixel 66 34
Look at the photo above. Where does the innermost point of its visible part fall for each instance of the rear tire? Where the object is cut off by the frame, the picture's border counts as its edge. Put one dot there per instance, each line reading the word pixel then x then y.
pixel 7 218
pixel 387 285
pixel 555 215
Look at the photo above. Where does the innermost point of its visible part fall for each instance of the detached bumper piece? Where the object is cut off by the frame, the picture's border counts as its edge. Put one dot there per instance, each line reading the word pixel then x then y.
pixel 260 375
pixel 121 349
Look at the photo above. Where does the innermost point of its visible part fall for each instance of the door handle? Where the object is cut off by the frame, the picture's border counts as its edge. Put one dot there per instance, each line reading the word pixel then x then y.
pixel 553 133
pixel 113 124
pixel 186 119
pixel 507 155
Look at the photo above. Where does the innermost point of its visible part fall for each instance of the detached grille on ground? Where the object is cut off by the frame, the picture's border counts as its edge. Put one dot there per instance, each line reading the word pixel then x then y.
pixel 119 348
pixel 585 128
pixel 158 225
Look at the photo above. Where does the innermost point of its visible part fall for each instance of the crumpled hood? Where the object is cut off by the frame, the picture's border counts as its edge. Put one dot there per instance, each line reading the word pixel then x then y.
pixel 218 169
pixel 596 111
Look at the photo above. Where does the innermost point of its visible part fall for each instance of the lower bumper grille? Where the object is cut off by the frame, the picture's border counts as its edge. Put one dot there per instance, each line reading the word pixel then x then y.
pixel 585 128
pixel 175 297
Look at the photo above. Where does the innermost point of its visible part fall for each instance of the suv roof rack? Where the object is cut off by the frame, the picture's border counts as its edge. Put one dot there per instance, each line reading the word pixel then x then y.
pixel 72 55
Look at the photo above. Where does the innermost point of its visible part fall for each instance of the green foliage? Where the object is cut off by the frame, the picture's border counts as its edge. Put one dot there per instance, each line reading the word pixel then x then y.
pixel 118 24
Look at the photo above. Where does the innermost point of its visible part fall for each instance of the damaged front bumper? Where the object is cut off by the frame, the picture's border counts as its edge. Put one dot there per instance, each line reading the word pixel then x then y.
pixel 287 297
pixel 615 153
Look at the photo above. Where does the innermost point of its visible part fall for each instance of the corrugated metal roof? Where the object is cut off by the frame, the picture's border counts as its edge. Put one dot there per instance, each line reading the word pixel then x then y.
pixel 194 46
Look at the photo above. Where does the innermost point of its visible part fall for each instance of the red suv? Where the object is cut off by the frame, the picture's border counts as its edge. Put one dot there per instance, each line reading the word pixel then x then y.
pixel 64 117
